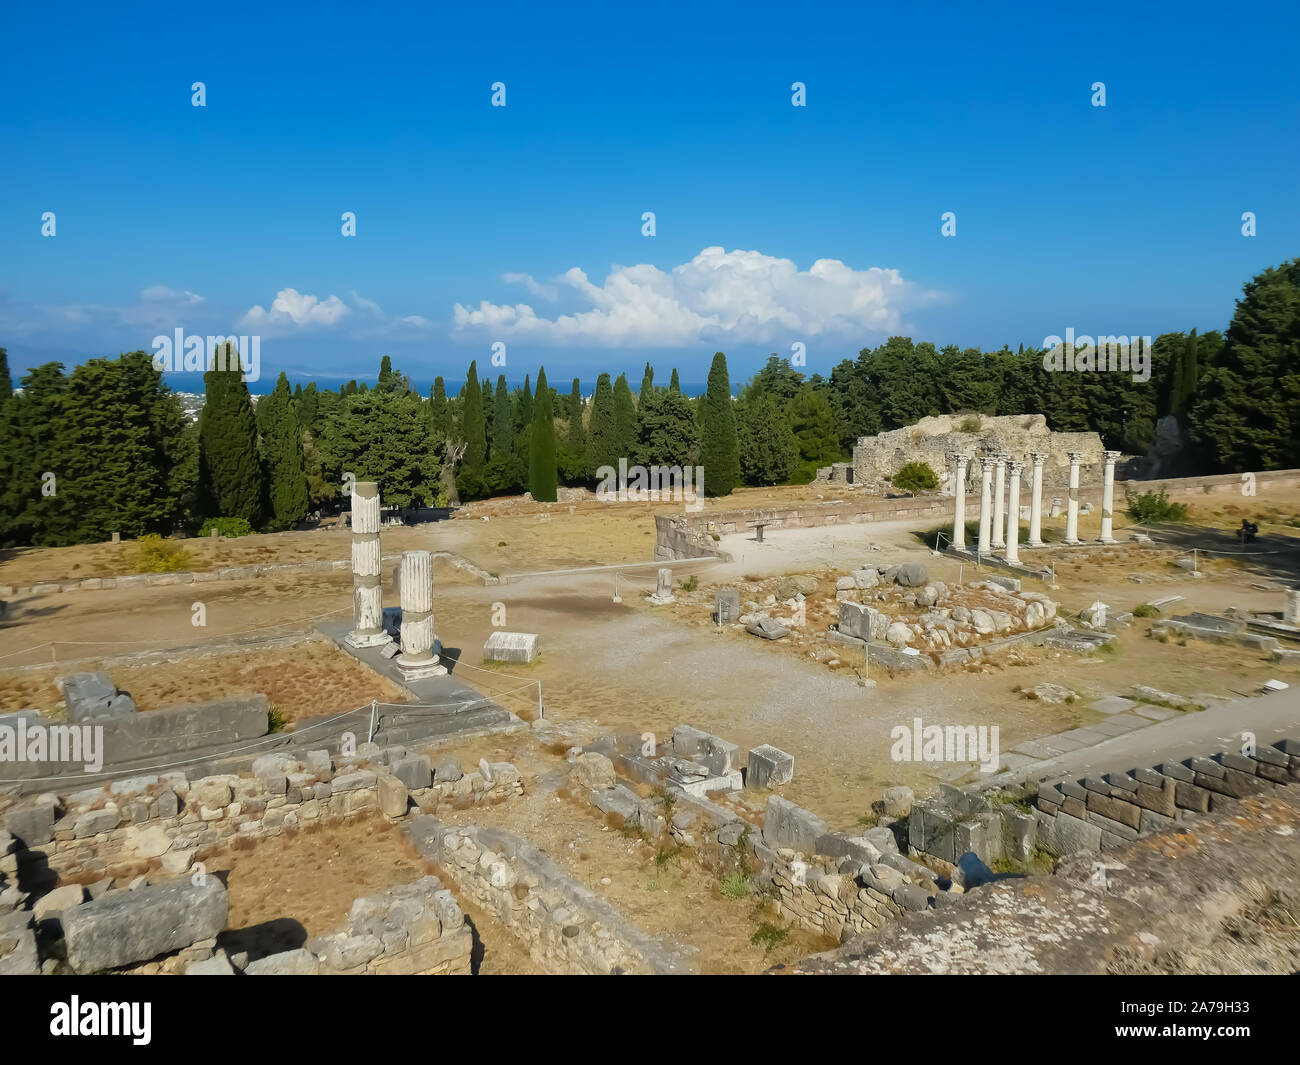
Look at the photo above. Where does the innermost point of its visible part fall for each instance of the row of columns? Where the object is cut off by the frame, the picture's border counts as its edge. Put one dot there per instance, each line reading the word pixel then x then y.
pixel 1000 512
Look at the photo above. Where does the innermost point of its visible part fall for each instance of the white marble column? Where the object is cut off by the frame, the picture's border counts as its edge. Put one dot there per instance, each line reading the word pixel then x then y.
pixel 959 502
pixel 1036 501
pixel 367 588
pixel 415 586
pixel 986 501
pixel 663 588
pixel 1108 497
pixel 1013 513
pixel 999 497
pixel 1072 505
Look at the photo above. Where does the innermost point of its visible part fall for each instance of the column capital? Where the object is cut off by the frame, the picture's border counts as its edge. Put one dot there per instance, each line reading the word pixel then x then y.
pixel 1076 457
pixel 1016 467
pixel 1111 456
pixel 1039 457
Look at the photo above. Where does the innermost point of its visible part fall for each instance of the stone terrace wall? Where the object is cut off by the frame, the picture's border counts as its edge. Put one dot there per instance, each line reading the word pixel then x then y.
pixel 566 927
pixel 689 536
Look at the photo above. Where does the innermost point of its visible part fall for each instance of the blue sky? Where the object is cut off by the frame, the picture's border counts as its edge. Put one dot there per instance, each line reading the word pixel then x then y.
pixel 226 219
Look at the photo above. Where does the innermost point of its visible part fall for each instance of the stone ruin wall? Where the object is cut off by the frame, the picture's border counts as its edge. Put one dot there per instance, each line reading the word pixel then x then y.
pixel 167 822
pixel 932 440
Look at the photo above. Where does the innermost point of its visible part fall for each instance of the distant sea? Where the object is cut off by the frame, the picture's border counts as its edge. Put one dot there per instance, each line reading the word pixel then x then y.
pixel 267 385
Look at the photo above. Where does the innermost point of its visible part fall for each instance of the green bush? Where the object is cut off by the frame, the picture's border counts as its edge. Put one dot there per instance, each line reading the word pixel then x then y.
pixel 226 527
pixel 1154 506
pixel 970 424
pixel 735 885
pixel 916 477
pixel 1145 610
pixel 156 555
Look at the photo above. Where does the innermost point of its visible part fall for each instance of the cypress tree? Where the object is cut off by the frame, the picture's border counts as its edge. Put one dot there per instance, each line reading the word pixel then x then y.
pixel 229 470
pixel 647 383
pixel 6 382
pixel 719 442
pixel 286 469
pixel 439 421
pixel 503 422
pixel 1190 369
pixel 577 439
pixel 624 418
pixel 675 385
pixel 526 405
pixel 541 450
pixel 602 440
pixel 473 424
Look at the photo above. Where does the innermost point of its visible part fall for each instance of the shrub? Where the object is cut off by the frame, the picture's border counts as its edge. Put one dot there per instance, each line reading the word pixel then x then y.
pixel 156 555
pixel 768 936
pixel 275 719
pixel 916 477
pixel 1154 506
pixel 970 424
pixel 690 584
pixel 226 527
pixel 735 885
pixel 1145 610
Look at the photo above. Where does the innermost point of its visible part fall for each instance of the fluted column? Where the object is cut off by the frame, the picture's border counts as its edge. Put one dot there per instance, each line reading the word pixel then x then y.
pixel 999 488
pixel 986 500
pixel 959 502
pixel 367 588
pixel 1013 513
pixel 1036 501
pixel 1072 505
pixel 1108 497
pixel 416 589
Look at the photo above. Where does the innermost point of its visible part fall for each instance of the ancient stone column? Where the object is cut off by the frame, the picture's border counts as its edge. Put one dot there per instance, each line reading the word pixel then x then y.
pixel 663 588
pixel 1013 513
pixel 1108 496
pixel 1036 501
pixel 367 588
pixel 416 589
pixel 999 487
pixel 1072 506
pixel 959 502
pixel 1291 606
pixel 986 499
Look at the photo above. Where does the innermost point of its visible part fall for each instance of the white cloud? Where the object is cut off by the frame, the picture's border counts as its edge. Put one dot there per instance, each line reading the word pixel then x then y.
pixel 743 295
pixel 292 309
pixel 163 294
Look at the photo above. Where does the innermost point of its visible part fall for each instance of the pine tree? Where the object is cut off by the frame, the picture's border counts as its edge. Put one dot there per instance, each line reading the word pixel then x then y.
pixel 813 426
pixel 229 470
pixel 541 445
pixel 602 438
pixel 719 442
pixel 624 418
pixel 503 422
pixel 473 424
pixel 768 452
pixel 286 469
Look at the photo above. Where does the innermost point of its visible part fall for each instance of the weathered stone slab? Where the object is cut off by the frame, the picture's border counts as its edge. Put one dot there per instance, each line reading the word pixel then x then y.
pixel 518 647
pixel 788 825
pixel 768 767
pixel 132 926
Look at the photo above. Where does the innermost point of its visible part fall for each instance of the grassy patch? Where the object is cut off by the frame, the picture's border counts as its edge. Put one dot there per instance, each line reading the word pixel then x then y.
pixel 769 936
pixel 735 886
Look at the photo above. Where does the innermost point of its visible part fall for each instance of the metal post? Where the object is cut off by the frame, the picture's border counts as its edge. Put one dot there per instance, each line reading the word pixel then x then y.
pixel 540 711
pixel 374 708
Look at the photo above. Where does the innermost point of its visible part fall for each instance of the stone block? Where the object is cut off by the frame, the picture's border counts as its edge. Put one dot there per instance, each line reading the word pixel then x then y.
pixel 392 795
pixel 132 926
pixel 415 771
pixel 788 825
pixel 519 647
pixel 768 767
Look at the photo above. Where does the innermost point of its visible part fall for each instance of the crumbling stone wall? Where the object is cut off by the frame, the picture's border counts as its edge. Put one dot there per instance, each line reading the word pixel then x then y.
pixel 931 440
pixel 566 927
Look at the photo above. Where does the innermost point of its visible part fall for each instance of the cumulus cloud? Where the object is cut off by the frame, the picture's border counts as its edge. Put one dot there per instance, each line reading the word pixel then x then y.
pixel 292 309
pixel 743 295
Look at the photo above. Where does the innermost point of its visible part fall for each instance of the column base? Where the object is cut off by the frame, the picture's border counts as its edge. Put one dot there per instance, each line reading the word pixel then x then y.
pixel 1072 543
pixel 1107 540
pixel 418 667
pixel 1035 543
pixel 662 600
pixel 999 545
pixel 367 639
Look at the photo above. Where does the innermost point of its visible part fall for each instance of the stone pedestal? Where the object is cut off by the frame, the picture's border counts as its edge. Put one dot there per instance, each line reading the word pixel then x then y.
pixel 1013 513
pixel 986 501
pixel 367 587
pixel 1291 606
pixel 1108 496
pixel 664 588
pixel 999 488
pixel 1036 501
pixel 959 502
pixel 417 659
pixel 1072 505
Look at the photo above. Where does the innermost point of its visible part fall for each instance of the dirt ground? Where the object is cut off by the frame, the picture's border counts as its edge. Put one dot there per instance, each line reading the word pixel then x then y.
pixel 310 678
